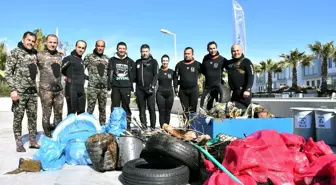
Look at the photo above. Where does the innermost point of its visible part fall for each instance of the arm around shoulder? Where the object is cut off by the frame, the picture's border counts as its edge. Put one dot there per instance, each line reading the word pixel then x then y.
pixel 65 64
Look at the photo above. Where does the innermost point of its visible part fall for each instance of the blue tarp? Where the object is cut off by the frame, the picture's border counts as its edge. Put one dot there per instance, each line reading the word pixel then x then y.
pixel 68 142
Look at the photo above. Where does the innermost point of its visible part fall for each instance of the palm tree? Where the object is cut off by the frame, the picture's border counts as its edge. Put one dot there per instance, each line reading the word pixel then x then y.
pixel 323 52
pixel 3 56
pixel 293 59
pixel 40 40
pixel 257 69
pixel 270 67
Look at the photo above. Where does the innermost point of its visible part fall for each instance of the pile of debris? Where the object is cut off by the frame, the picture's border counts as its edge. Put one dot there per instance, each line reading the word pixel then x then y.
pixel 229 110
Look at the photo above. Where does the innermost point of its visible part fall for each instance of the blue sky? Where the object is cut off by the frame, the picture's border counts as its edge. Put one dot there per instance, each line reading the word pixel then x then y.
pixel 272 26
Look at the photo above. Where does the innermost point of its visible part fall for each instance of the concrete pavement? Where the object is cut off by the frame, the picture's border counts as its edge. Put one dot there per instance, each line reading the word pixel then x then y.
pixel 69 175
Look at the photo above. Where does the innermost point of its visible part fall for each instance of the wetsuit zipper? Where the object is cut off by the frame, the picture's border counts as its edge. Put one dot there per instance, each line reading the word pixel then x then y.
pixel 143 83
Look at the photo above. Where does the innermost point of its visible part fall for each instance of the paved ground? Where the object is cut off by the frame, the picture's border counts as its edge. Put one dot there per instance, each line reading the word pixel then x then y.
pixel 69 175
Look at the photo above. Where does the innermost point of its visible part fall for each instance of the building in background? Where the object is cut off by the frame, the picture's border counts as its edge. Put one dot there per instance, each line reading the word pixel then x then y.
pixel 306 76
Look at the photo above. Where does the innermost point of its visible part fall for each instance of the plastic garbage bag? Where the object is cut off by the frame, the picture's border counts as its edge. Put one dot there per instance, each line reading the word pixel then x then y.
pixel 78 130
pixel 50 154
pixel 117 122
pixel 68 142
pixel 76 153
pixel 74 136
pixel 73 131
pixel 83 122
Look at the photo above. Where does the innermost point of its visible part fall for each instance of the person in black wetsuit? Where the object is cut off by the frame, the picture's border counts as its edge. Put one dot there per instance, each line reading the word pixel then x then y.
pixel 165 93
pixel 240 77
pixel 73 70
pixel 146 78
pixel 186 76
pixel 212 69
pixel 120 80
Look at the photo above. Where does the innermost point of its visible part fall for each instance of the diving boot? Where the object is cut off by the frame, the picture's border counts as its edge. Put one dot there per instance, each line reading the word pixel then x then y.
pixel 19 144
pixel 32 142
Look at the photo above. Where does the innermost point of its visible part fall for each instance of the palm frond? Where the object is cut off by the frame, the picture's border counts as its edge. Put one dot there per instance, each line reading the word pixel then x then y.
pixel 257 68
pixel 316 48
pixel 307 60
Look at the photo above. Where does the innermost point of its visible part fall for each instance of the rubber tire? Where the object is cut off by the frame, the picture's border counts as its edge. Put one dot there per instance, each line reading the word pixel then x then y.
pixel 203 174
pixel 133 175
pixel 169 146
pixel 224 95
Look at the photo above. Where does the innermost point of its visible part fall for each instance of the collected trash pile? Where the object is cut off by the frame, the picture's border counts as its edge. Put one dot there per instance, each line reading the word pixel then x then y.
pixel 180 156
pixel 269 157
pixel 228 110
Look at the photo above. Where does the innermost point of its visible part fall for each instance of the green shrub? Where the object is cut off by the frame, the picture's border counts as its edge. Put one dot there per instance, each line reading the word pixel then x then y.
pixel 4 89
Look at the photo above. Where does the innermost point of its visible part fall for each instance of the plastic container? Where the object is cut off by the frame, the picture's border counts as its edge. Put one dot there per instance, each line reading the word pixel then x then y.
pixel 303 121
pixel 325 125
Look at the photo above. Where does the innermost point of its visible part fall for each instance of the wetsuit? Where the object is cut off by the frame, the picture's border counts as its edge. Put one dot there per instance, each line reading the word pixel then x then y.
pixel 241 78
pixel 146 79
pixel 212 69
pixel 120 80
pixel 50 88
pixel 97 85
pixel 73 70
pixel 188 72
pixel 20 73
pixel 165 94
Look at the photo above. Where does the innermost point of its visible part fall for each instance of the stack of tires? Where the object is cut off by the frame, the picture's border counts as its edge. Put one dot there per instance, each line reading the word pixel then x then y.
pixel 165 160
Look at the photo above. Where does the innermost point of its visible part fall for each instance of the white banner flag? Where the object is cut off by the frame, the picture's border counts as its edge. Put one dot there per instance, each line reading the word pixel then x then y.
pixel 56 31
pixel 239 26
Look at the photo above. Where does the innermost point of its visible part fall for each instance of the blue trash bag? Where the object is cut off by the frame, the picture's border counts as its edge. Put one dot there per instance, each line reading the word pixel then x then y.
pixel 73 131
pixel 76 153
pixel 79 130
pixel 50 154
pixel 117 122
pixel 74 124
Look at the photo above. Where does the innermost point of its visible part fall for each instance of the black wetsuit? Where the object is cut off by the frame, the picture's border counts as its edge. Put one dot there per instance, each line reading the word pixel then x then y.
pixel 212 69
pixel 165 95
pixel 146 79
pixel 120 80
pixel 73 69
pixel 188 82
pixel 241 79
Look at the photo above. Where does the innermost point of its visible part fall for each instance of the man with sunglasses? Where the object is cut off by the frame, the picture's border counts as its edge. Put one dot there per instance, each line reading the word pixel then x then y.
pixel 240 77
